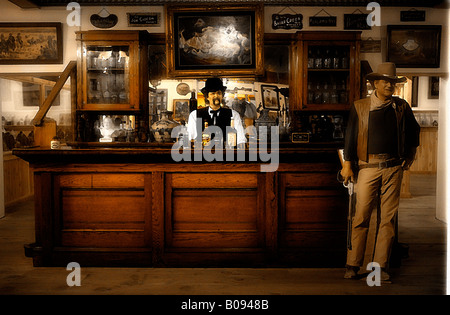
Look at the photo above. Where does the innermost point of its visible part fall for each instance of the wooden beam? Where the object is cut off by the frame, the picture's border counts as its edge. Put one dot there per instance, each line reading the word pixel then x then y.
pixel 53 93
pixel 25 4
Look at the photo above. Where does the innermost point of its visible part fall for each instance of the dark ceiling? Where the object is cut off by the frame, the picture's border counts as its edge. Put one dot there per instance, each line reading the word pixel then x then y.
pixel 391 3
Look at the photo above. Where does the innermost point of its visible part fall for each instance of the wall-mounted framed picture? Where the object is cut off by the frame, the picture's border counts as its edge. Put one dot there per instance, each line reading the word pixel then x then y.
pixel 31 43
pixel 433 87
pixel 181 110
pixel 270 97
pixel 414 46
pixel 214 40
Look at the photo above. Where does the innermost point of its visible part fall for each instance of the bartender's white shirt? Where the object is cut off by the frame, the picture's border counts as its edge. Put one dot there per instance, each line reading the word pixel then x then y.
pixel 192 125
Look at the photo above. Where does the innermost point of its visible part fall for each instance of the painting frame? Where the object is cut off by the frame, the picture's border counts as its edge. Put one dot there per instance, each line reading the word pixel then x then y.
pixel 193 46
pixel 270 97
pixel 180 110
pixel 433 87
pixel 414 46
pixel 46 47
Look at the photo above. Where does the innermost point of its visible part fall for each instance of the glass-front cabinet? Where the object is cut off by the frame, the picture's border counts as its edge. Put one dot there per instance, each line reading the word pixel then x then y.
pixel 328 70
pixel 112 86
pixel 111 65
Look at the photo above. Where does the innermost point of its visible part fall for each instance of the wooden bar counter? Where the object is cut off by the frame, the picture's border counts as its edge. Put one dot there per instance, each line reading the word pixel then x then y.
pixel 122 206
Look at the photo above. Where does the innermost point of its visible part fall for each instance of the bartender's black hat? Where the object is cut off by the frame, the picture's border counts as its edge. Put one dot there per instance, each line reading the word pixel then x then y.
pixel 213 85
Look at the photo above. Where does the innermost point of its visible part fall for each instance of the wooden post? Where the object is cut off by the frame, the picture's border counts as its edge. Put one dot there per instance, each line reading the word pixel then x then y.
pixel 44 133
pixel 45 128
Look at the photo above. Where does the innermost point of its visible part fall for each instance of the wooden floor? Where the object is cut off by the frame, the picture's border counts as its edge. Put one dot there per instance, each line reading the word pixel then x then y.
pixel 423 273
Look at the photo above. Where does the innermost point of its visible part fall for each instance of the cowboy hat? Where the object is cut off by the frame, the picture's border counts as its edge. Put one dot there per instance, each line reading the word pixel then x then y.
pixel 213 85
pixel 386 71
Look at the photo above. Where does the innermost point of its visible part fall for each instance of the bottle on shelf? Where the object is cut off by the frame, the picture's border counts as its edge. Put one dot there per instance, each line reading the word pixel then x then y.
pixel 310 59
pixel 123 95
pixel 336 59
pixel 310 98
pixel 92 89
pixel 97 92
pixel 192 102
pixel 112 60
pixel 318 93
pixel 114 93
pixel 206 135
pixel 344 60
pixel 326 93
pixel 318 61
pixel 327 59
pixel 106 93
pixel 231 136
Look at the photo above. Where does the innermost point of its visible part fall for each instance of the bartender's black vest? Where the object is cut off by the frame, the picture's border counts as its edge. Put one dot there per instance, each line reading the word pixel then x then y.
pixel 223 119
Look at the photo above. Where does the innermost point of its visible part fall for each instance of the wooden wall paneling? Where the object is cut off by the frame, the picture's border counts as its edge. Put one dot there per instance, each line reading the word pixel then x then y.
pixel 148 210
pixel 158 186
pixel 168 220
pixel 18 179
pixel 270 212
pixel 57 210
pixel 426 155
pixel 44 219
pixel 312 216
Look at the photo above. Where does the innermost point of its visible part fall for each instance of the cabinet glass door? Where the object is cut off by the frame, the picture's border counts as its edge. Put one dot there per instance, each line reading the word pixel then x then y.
pixel 107 74
pixel 328 75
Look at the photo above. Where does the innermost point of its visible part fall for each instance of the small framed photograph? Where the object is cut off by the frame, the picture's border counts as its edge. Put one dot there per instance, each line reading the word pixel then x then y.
pixel 181 110
pixel 270 97
pixel 31 43
pixel 414 46
pixel 433 87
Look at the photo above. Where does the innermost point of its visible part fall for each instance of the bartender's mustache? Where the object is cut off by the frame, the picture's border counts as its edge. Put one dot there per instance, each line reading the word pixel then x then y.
pixel 216 100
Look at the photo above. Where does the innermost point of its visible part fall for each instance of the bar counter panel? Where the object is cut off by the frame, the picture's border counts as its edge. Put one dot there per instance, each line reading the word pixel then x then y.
pixel 94 208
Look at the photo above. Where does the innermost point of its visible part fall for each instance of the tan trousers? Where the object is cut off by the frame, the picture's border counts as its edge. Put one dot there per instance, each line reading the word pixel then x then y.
pixel 370 182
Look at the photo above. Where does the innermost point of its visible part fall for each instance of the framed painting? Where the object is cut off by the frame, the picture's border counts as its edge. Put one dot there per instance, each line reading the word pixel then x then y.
pixel 270 97
pixel 414 46
pixel 181 110
pixel 31 43
pixel 214 40
pixel 433 87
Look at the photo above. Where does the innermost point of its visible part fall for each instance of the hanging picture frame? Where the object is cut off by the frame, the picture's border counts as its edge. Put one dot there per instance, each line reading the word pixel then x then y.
pixel 414 46
pixel 31 43
pixel 270 97
pixel 214 40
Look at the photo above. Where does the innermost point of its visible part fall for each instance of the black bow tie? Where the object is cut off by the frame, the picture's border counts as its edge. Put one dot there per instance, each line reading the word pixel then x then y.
pixel 214 112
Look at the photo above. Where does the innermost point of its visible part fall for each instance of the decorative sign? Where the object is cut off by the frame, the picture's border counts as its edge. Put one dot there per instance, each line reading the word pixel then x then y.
pixel 322 21
pixel 356 22
pixel 104 22
pixel 300 137
pixel 287 21
pixel 412 16
pixel 371 46
pixel 317 20
pixel 144 19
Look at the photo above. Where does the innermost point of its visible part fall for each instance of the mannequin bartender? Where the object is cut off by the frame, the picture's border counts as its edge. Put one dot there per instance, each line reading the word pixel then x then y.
pixel 214 114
